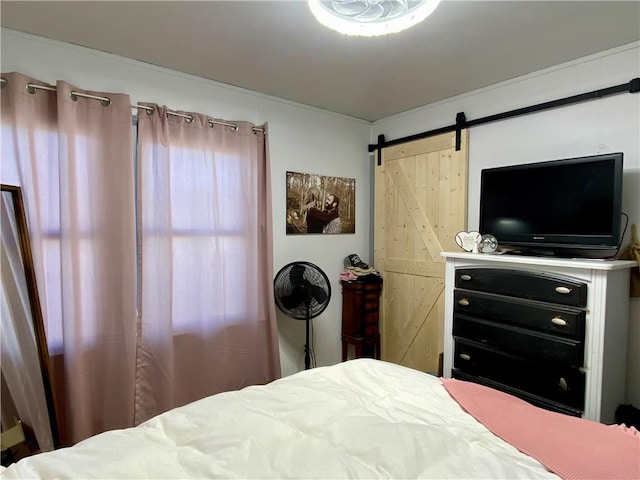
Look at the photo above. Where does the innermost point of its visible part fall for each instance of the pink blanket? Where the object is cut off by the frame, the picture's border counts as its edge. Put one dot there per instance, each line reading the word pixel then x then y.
pixel 571 447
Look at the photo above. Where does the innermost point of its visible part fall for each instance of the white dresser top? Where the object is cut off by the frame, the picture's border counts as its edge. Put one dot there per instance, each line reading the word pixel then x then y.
pixel 594 264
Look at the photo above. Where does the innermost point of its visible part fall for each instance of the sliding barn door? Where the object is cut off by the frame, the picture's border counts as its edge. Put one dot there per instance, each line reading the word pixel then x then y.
pixel 420 205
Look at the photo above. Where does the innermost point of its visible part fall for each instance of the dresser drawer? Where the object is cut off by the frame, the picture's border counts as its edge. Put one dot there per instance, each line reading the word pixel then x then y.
pixel 523 284
pixel 370 302
pixel 518 341
pixel 527 397
pixel 364 286
pixel 551 318
pixel 557 383
pixel 369 326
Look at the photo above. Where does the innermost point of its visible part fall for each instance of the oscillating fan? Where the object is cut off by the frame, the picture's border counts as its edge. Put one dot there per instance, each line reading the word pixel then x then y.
pixel 302 291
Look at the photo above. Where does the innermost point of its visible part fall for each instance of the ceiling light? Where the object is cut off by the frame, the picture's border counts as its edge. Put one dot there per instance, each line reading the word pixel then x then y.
pixel 369 18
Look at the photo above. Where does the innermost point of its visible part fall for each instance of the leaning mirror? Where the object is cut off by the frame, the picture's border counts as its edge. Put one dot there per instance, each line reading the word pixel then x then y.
pixel 28 419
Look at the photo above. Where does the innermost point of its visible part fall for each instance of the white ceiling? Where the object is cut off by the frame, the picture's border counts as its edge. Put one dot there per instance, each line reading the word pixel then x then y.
pixel 277 47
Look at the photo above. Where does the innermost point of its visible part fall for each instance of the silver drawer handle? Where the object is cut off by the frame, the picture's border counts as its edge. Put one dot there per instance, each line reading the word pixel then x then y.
pixel 464 302
pixel 563 385
pixel 563 290
pixel 559 321
pixel 464 356
pixel 465 277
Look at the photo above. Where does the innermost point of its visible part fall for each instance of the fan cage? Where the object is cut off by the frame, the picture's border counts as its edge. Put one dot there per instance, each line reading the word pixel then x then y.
pixel 312 277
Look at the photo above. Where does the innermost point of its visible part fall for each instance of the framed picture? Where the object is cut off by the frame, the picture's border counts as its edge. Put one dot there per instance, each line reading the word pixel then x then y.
pixel 319 204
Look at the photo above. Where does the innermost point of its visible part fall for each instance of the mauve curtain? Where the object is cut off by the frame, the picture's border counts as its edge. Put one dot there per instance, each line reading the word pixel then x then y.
pixel 207 316
pixel 73 160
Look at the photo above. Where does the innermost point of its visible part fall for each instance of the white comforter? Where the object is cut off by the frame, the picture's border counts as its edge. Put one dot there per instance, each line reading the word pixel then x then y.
pixel 359 419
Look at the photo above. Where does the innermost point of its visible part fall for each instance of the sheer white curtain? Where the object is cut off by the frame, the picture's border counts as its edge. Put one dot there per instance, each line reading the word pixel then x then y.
pixel 207 318
pixel 72 156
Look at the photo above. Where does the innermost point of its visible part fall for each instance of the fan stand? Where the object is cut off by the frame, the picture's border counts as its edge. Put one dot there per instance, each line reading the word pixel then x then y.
pixel 307 356
pixel 302 291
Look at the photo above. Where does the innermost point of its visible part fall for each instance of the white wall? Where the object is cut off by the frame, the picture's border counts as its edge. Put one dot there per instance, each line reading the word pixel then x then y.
pixel 302 139
pixel 598 126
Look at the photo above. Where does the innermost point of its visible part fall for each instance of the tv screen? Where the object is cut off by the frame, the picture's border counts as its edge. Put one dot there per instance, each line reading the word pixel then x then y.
pixel 560 207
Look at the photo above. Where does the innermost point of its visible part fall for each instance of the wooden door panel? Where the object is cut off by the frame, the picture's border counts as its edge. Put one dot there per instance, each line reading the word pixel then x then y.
pixel 422 354
pixel 421 147
pixel 420 204
pixel 413 306
pixel 410 211
pixel 417 267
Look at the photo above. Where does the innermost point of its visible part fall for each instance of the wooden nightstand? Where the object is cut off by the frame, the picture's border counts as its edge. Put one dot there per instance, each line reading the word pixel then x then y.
pixel 360 312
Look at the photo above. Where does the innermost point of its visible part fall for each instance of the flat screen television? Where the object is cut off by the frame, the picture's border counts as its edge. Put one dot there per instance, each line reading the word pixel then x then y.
pixel 569 207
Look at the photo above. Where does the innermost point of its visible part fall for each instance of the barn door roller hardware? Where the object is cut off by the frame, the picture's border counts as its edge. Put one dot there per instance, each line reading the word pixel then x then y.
pixel 632 86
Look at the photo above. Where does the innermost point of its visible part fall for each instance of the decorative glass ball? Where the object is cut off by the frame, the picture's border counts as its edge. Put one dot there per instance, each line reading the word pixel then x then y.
pixel 487 244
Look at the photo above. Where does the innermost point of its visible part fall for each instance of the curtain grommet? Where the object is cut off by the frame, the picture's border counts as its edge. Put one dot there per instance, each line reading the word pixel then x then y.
pixel 31 89
pixel 188 119
pixel 211 123
pixel 150 110
pixel 105 102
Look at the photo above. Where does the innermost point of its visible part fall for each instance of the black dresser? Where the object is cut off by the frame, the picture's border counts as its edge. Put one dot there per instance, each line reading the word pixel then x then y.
pixel 550 331
pixel 521 332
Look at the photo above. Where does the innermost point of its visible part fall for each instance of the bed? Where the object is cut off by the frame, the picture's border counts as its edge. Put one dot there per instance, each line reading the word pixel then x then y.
pixel 363 418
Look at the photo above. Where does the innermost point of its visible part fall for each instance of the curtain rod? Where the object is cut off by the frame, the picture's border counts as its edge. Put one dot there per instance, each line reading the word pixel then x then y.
pixel 31 88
